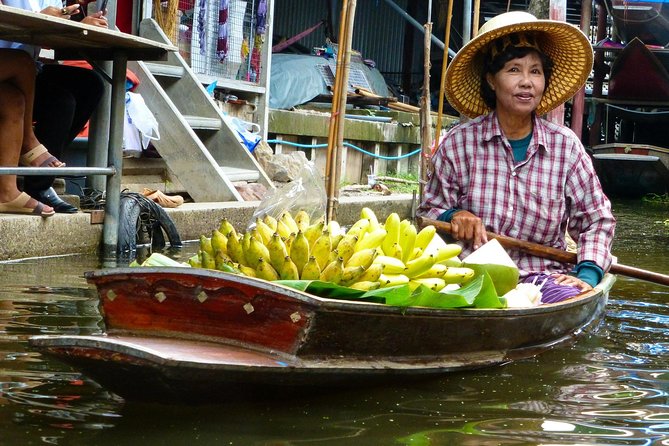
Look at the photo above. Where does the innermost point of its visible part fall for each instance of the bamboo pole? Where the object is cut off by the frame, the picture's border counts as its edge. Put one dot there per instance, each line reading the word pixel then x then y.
pixel 342 108
pixel 442 84
pixel 331 161
pixel 475 21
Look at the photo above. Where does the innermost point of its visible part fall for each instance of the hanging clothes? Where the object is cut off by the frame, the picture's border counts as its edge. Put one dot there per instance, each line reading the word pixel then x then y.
pixel 261 17
pixel 201 26
pixel 223 30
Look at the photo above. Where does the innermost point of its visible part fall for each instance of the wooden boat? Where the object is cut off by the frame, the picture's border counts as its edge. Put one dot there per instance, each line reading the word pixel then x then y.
pixel 635 58
pixel 192 334
pixel 632 170
pixel 643 19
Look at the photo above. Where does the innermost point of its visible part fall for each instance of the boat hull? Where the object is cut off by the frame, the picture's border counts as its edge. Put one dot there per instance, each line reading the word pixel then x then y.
pixel 632 170
pixel 289 340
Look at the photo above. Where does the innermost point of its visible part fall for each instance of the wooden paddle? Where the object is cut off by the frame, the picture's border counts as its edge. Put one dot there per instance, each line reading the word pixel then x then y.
pixel 547 252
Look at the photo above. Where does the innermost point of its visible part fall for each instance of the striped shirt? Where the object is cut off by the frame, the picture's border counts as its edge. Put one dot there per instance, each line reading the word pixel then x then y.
pixel 554 190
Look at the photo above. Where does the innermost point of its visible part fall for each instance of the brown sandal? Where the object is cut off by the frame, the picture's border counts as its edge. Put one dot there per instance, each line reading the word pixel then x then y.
pixel 18 206
pixel 166 201
pixel 31 155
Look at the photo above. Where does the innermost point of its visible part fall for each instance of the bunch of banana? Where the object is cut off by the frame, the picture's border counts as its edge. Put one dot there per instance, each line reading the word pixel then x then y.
pixel 368 256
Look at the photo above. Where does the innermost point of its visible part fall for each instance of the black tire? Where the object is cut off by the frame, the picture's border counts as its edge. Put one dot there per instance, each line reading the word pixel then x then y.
pixel 142 221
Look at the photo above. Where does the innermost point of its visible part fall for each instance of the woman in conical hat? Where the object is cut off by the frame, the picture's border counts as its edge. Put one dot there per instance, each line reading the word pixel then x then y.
pixel 510 171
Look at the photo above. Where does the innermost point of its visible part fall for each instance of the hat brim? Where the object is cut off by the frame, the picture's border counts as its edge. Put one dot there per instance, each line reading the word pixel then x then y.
pixel 569 49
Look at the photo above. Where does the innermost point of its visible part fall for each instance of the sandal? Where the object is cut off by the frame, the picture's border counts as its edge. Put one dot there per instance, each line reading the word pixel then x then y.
pixel 30 156
pixel 19 206
pixel 163 200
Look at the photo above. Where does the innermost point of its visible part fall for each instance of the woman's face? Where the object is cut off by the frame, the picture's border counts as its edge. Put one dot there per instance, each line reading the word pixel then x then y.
pixel 519 85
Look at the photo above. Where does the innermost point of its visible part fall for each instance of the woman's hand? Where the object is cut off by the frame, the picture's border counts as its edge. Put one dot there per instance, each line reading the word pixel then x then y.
pixel 466 226
pixel 64 12
pixel 96 19
pixel 566 279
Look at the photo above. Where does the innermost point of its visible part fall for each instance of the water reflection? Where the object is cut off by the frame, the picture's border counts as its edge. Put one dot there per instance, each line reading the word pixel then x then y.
pixel 610 388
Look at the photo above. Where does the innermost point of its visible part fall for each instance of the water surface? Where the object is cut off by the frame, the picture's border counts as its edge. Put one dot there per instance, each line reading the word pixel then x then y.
pixel 610 388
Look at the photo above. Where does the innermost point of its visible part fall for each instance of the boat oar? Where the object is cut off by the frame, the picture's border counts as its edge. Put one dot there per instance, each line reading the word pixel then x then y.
pixel 547 252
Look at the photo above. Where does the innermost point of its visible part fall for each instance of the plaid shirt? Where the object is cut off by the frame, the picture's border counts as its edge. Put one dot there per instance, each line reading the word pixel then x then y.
pixel 553 191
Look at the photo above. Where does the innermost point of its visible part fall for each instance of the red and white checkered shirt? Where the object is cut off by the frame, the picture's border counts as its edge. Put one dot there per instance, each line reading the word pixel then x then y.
pixel 555 189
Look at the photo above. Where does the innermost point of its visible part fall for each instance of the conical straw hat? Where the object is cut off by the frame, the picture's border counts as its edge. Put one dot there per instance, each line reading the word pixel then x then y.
pixel 566 45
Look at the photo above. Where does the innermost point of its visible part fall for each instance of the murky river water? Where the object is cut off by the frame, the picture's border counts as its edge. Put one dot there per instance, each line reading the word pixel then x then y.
pixel 610 388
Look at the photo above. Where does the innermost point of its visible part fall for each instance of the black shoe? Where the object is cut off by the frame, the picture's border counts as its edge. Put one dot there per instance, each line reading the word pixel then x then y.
pixel 51 198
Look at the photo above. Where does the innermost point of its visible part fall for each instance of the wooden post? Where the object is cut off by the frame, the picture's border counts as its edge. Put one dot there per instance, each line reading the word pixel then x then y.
pixel 558 11
pixel 425 114
pixel 442 84
pixel 579 100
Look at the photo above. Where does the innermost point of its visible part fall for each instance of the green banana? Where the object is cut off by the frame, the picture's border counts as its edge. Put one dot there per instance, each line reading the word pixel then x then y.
pixel 265 271
pixel 225 227
pixel 288 270
pixel 219 242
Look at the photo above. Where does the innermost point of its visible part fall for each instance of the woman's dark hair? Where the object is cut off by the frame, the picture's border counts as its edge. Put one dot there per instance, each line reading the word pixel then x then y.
pixel 493 65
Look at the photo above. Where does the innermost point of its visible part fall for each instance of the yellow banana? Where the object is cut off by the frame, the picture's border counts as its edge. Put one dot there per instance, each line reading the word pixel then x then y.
pixel 419 266
pixel 256 251
pixel 425 236
pixel 391 265
pixel 207 260
pixel 321 249
pixel 205 245
pixel 219 242
pixel 235 250
pixel 220 259
pixel 417 252
pixel 433 283
pixel 453 261
pixel 365 285
pixel 288 270
pixel 246 240
pixel 248 271
pixel 289 221
pixel 336 234
pixel 369 214
pixel 458 275
pixel 362 258
pixel 392 227
pixel 314 231
pixel 288 242
pixel 333 272
pixel 371 239
pixel 446 252
pixel 404 224
pixel 346 247
pixel 407 241
pixel 277 251
pixel 311 271
pixel 359 228
pixel 195 261
pixel 437 270
pixel 387 280
pixel 372 273
pixel 351 274
pixel 264 230
pixel 265 271
pixel 283 229
pixel 299 251
pixel 271 222
pixel 225 227
pixel 302 220
pixel 333 255
pixel 394 251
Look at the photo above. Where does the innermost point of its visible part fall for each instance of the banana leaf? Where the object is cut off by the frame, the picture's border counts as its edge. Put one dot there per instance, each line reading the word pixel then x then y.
pixel 396 295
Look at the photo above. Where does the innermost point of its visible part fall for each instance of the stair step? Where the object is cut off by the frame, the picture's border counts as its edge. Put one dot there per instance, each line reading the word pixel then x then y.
pixel 202 123
pixel 237 174
pixel 165 70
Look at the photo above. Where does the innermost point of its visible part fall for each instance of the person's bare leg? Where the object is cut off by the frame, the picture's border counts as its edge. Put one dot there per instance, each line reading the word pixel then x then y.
pixel 18 68
pixel 11 129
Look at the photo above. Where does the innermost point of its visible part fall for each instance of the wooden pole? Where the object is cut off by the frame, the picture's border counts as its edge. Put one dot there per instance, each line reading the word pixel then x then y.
pixel 331 161
pixel 442 84
pixel 558 255
pixel 425 115
pixel 475 20
pixel 345 68
pixel 579 99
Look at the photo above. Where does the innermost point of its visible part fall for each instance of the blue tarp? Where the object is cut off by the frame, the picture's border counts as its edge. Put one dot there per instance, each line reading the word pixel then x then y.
pixel 296 79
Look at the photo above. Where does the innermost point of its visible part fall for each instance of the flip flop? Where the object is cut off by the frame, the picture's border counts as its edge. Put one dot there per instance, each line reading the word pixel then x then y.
pixel 163 200
pixel 30 156
pixel 18 206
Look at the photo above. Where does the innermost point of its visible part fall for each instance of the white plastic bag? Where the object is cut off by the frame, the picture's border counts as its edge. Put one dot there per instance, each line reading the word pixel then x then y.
pixel 140 123
pixel 248 133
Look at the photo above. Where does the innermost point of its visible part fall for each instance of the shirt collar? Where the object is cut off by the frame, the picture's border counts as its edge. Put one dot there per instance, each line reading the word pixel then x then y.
pixel 492 129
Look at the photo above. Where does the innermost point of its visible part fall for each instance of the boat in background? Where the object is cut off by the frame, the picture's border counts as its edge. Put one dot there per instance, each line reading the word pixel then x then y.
pixel 201 335
pixel 643 19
